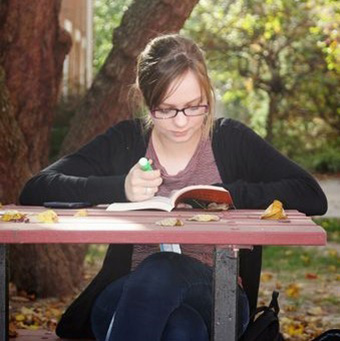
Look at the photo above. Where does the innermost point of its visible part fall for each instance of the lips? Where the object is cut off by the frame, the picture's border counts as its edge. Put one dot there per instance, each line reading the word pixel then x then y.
pixel 180 133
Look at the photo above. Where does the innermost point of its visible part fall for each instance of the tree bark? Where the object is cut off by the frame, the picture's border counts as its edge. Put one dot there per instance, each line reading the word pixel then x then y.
pixel 32 51
pixel 107 101
pixel 33 48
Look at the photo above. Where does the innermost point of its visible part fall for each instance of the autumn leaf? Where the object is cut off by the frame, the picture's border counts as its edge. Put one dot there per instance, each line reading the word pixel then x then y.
pixel 293 290
pixel 266 276
pixel 315 311
pixel 274 211
pixel 48 216
pixel 170 222
pixel 14 216
pixel 81 213
pixel 310 275
pixel 204 217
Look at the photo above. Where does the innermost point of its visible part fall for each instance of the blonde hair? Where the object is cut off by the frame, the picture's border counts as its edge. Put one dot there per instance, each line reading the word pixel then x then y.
pixel 165 59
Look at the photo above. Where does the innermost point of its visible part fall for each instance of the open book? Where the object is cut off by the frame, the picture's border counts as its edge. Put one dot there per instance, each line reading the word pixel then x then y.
pixel 198 195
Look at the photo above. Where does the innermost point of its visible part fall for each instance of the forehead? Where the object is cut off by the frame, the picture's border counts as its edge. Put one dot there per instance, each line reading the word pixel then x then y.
pixel 183 90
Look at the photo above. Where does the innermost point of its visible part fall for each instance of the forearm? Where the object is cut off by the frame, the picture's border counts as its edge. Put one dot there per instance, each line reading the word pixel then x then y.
pixel 48 186
pixel 303 194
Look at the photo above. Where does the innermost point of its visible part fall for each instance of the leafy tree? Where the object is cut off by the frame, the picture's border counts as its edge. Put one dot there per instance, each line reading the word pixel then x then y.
pixel 107 17
pixel 275 64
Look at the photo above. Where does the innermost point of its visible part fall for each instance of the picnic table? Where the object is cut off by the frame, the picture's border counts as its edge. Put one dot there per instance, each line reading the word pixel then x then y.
pixel 235 230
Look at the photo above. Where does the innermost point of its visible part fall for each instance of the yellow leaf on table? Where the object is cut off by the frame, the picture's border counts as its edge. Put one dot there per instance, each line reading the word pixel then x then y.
pixel 170 222
pixel 81 213
pixel 14 216
pixel 204 217
pixel 274 211
pixel 48 216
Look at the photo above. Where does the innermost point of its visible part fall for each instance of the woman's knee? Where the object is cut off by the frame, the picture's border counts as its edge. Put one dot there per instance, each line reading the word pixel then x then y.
pixel 185 324
pixel 158 269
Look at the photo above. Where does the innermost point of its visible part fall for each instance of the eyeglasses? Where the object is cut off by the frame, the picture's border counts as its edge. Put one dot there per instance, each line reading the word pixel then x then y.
pixel 195 110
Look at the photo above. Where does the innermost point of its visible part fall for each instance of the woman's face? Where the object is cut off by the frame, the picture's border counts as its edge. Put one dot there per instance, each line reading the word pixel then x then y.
pixel 183 92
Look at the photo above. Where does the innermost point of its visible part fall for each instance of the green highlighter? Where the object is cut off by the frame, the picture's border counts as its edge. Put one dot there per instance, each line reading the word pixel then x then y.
pixel 144 164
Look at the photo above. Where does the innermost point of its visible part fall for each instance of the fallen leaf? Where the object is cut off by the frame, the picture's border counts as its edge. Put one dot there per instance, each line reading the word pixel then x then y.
pixel 274 211
pixel 332 268
pixel 48 216
pixel 12 332
pixel 293 290
pixel 204 217
pixel 213 206
pixel 311 275
pixel 170 222
pixel 81 213
pixel 315 311
pixel 19 317
pixel 14 216
pixel 332 253
pixel 266 276
pixel 294 329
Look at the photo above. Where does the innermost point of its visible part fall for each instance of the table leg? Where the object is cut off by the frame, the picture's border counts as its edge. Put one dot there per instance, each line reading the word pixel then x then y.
pixel 3 293
pixel 225 294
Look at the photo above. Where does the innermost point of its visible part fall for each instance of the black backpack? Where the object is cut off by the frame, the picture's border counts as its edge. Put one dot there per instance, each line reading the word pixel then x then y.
pixel 264 323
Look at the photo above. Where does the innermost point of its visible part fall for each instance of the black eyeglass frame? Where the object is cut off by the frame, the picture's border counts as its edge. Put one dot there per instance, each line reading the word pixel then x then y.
pixel 206 106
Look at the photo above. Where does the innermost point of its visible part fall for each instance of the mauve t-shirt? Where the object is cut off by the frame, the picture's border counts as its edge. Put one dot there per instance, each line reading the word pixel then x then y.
pixel 201 170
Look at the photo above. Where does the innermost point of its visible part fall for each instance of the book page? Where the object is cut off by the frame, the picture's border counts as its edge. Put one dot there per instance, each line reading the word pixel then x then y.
pixel 157 203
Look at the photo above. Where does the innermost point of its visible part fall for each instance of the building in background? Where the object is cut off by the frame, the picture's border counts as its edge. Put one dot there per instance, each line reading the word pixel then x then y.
pixel 76 17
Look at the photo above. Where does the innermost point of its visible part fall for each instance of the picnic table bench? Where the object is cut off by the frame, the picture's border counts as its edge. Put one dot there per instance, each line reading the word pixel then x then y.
pixel 235 230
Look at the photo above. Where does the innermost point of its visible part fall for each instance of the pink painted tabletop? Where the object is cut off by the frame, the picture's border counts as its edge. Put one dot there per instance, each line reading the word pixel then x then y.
pixel 235 227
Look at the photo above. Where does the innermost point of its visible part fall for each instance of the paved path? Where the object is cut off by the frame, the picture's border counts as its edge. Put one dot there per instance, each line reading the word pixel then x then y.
pixel 331 188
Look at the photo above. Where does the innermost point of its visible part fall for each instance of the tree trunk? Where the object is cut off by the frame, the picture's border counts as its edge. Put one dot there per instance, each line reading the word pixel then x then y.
pixel 33 48
pixel 107 102
pixel 274 100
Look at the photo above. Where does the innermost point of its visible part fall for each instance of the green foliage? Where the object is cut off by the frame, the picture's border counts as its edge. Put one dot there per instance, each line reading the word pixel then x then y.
pixel 332 227
pixel 276 61
pixel 292 259
pixel 107 16
pixel 308 258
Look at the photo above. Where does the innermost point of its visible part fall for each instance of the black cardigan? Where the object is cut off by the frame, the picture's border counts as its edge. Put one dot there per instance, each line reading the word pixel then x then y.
pixel 252 170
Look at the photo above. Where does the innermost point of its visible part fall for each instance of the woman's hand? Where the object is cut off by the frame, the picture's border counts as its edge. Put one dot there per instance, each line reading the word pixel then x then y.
pixel 141 185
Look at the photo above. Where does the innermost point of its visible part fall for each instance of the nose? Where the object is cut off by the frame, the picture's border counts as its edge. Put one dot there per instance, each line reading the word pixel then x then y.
pixel 180 119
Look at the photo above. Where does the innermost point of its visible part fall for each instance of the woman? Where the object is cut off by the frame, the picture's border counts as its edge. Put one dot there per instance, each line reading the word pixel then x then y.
pixel 167 296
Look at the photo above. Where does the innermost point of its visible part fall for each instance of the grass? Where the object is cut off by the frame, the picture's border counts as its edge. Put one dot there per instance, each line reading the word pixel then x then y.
pixel 308 259
pixel 332 227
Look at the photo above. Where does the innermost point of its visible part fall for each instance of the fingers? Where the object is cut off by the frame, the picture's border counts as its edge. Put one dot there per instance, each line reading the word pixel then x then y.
pixel 142 185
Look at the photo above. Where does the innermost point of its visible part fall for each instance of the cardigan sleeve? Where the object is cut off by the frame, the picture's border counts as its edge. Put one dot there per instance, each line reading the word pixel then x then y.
pixel 95 173
pixel 256 173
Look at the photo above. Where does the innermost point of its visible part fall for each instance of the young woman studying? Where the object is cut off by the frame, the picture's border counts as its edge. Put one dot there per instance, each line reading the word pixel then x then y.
pixel 141 293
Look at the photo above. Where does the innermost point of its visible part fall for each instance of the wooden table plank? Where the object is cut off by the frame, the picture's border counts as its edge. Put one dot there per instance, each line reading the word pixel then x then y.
pixel 241 227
